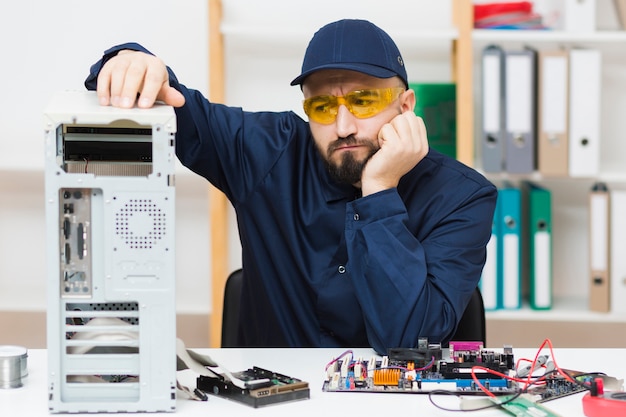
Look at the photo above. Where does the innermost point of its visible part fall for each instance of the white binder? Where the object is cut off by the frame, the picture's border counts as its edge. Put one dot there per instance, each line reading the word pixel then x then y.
pixel 521 110
pixel 580 16
pixel 618 252
pixel 493 140
pixel 599 251
pixel 584 118
pixel 552 106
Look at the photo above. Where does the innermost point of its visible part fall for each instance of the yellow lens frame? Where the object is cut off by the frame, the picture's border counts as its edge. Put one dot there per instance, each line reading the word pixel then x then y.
pixel 378 100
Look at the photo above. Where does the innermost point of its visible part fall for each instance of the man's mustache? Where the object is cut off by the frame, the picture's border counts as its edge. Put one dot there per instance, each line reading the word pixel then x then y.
pixel 349 140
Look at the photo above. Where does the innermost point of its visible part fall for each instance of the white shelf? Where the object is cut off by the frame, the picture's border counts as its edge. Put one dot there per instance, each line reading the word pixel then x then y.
pixel 292 40
pixel 493 35
pixel 287 34
pixel 563 310
pixel 608 177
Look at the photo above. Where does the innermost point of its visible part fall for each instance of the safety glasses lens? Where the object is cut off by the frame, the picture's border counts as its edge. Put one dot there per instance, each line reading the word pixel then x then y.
pixel 361 103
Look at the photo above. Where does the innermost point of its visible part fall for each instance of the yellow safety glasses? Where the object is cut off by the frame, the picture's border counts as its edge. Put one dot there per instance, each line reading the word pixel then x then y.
pixel 361 103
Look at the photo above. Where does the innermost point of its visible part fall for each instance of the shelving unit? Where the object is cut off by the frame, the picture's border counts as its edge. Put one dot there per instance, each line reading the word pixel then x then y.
pixel 569 322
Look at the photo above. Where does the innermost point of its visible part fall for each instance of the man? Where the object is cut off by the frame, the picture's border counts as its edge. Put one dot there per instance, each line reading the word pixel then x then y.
pixel 353 232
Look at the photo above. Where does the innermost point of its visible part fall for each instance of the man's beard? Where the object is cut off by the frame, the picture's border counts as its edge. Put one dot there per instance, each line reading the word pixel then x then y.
pixel 349 169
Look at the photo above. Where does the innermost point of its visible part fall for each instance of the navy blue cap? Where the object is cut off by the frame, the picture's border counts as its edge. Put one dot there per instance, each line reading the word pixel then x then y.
pixel 356 45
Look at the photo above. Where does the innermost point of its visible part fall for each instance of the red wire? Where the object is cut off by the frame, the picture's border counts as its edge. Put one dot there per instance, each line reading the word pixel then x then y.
pixel 556 366
pixel 428 365
pixel 529 379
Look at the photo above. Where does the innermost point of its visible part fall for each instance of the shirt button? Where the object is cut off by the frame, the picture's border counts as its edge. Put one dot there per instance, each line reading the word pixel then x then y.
pixel 356 216
pixel 341 269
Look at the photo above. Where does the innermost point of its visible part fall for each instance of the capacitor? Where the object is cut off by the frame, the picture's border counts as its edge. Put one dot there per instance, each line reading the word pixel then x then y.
pixel 13 366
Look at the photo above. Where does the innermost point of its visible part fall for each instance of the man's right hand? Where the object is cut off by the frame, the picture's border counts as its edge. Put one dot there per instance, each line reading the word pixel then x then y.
pixel 134 75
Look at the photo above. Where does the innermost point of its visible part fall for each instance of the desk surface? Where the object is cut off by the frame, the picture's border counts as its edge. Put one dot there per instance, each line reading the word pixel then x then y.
pixel 308 365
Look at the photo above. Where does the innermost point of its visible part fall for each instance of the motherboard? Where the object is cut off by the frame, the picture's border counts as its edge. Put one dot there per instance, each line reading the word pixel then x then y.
pixel 464 368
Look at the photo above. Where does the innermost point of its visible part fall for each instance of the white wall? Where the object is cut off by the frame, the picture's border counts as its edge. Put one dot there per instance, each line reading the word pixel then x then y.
pixel 48 46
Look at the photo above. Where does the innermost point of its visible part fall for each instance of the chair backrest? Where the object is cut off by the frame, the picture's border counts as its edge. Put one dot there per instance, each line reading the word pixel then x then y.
pixel 471 327
pixel 230 313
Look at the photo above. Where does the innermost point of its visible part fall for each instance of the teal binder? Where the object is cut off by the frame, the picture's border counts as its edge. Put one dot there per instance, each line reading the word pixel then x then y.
pixel 510 250
pixel 489 282
pixel 436 104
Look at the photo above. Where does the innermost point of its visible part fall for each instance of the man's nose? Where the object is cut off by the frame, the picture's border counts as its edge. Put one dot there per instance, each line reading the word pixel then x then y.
pixel 346 122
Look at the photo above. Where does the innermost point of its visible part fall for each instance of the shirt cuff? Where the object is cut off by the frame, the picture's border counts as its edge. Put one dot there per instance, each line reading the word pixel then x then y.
pixel 374 207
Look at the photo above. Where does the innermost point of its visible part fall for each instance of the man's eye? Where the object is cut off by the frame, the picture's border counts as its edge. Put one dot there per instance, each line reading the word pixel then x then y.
pixel 321 107
pixel 361 101
pixel 364 98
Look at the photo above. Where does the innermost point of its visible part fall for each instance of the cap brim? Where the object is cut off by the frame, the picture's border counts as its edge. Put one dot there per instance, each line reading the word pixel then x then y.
pixel 373 70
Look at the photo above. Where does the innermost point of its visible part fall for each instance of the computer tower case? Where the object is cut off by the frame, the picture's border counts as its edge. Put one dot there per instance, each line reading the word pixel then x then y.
pixel 110 200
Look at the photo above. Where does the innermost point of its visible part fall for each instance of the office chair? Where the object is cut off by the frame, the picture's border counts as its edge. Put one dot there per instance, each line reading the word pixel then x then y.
pixel 230 312
pixel 471 327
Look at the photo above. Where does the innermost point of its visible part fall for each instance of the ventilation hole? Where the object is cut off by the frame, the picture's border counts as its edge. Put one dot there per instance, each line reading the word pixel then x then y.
pixel 106 307
pixel 140 223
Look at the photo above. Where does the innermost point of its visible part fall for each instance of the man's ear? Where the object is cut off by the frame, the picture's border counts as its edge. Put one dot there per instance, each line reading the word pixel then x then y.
pixel 407 100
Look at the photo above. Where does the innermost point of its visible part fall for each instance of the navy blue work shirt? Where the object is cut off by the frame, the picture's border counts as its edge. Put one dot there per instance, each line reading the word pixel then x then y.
pixel 324 267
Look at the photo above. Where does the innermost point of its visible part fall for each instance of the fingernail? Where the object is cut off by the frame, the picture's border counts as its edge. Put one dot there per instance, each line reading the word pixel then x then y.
pixel 115 101
pixel 104 101
pixel 126 102
pixel 144 102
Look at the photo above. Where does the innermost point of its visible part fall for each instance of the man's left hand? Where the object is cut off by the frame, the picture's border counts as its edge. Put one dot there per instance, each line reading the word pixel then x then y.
pixel 403 144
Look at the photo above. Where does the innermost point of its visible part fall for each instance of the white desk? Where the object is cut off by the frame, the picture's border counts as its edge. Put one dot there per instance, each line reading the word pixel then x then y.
pixel 308 365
